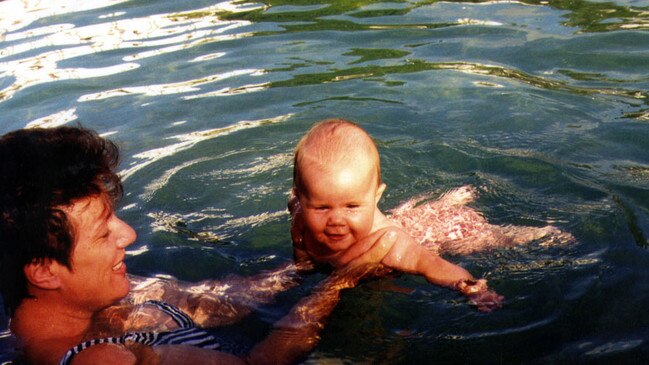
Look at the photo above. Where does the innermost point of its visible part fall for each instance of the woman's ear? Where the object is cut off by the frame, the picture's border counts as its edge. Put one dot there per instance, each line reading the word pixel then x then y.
pixel 379 192
pixel 42 274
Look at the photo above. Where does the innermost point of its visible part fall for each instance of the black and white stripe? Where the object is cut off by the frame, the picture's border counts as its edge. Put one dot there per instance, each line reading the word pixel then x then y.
pixel 187 334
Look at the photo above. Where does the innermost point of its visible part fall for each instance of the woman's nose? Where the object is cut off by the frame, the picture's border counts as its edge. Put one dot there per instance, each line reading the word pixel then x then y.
pixel 127 234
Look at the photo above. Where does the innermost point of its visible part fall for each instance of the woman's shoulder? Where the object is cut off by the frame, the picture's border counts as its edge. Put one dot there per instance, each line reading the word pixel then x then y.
pixel 119 319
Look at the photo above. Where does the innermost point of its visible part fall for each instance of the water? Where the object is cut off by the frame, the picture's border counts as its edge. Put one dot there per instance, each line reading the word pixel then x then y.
pixel 542 105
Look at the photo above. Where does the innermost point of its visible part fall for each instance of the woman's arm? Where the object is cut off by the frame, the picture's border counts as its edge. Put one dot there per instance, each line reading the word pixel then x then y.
pixel 213 303
pixel 294 336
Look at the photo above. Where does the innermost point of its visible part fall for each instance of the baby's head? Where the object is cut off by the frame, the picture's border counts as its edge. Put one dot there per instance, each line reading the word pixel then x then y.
pixel 337 179
pixel 332 145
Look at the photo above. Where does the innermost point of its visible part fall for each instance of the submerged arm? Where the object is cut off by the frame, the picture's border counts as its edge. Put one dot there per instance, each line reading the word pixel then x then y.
pixel 294 336
pixel 219 302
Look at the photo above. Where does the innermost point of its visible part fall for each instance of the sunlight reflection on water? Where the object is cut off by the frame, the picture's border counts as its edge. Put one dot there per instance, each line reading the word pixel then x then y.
pixel 541 105
pixel 169 32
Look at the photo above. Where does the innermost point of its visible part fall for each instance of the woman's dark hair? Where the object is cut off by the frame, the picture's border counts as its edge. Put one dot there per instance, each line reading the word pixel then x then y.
pixel 41 171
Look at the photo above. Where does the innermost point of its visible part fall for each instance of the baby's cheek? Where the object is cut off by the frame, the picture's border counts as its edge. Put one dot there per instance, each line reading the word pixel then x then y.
pixel 312 224
pixel 361 228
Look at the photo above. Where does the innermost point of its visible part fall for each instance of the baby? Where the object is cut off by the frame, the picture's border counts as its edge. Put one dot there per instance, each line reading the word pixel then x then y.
pixel 335 218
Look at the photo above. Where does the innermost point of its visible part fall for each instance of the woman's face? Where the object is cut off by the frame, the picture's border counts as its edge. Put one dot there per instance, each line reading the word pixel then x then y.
pixel 98 275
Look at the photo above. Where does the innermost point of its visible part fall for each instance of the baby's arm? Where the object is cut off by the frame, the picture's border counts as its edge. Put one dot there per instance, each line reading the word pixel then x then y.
pixel 400 252
pixel 408 256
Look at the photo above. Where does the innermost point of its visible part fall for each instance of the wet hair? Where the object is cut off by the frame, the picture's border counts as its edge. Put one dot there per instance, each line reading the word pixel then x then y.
pixel 333 141
pixel 41 172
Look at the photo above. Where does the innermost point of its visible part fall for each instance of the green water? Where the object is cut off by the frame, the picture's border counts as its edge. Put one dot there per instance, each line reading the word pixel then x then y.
pixel 542 105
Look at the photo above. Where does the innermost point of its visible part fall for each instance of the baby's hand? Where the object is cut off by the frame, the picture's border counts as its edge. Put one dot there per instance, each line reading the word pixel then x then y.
pixel 480 295
pixel 487 301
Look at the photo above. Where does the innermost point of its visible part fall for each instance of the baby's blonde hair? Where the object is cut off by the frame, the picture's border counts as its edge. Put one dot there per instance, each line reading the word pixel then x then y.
pixel 333 141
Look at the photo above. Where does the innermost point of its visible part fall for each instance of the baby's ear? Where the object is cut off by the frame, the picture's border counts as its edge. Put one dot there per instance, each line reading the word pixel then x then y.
pixel 41 274
pixel 379 192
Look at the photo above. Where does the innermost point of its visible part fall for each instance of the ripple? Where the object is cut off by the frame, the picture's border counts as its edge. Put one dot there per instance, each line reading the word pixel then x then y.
pixel 259 165
pixel 611 347
pixel 642 115
pixel 370 72
pixel 348 98
pixel 19 14
pixel 245 89
pixel 167 89
pixel 625 172
pixel 165 33
pixel 583 15
pixel 180 224
pixel 151 188
pixel 54 120
pixel 252 220
pixel 189 140
pixel 532 325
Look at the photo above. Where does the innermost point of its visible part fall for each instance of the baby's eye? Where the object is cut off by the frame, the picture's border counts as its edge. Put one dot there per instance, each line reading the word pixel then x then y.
pixel 353 206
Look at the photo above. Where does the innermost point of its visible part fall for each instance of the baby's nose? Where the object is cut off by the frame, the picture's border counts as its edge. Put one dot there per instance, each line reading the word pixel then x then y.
pixel 336 218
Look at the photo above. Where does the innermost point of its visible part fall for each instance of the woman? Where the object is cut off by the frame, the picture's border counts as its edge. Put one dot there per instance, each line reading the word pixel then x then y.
pixel 65 284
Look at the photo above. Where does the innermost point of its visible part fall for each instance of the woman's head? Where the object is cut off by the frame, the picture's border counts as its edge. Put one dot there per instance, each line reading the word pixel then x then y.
pixel 41 172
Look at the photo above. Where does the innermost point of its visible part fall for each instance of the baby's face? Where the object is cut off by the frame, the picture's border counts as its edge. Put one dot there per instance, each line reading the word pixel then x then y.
pixel 338 205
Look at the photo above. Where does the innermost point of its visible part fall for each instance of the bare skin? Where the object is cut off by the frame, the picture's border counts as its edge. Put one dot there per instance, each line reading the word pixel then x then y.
pixel 442 226
pixel 404 255
pixel 94 300
pixel 335 206
pixel 448 226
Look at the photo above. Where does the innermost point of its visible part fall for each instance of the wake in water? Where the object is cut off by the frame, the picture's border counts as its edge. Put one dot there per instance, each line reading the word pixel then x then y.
pixel 448 226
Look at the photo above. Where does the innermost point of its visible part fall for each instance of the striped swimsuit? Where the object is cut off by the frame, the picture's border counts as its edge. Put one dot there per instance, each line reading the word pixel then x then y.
pixel 187 334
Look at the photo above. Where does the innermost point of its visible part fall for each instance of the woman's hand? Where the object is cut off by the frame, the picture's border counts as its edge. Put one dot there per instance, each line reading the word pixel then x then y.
pixel 369 250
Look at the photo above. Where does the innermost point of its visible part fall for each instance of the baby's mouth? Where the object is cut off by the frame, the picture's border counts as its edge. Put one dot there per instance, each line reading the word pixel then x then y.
pixel 118 266
pixel 336 236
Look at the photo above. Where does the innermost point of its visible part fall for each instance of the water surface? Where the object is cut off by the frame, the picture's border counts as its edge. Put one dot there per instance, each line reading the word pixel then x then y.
pixel 542 105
